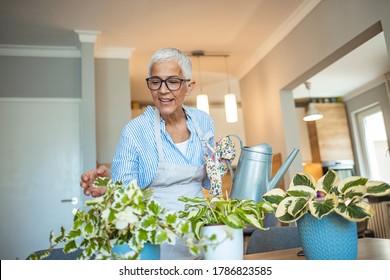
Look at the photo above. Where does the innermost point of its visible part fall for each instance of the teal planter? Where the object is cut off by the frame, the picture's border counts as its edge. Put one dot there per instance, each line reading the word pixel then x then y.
pixel 330 238
pixel 149 252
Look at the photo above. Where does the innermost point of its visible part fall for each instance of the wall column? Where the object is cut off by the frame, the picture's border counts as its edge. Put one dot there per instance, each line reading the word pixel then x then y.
pixel 88 111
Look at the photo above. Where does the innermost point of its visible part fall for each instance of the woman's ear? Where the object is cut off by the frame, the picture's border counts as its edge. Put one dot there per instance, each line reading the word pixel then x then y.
pixel 190 87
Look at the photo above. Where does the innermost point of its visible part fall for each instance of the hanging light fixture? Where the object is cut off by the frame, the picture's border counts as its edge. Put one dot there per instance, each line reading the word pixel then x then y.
pixel 312 114
pixel 230 101
pixel 202 100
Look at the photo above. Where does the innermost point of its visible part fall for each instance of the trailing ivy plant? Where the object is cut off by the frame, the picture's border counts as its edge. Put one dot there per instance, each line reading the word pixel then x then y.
pixel 235 213
pixel 123 215
pixel 346 197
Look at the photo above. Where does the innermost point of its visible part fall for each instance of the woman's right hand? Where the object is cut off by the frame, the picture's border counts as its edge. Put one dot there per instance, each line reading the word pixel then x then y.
pixel 89 177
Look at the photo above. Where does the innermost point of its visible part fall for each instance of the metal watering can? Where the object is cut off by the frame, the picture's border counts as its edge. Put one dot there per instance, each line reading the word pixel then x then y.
pixel 252 178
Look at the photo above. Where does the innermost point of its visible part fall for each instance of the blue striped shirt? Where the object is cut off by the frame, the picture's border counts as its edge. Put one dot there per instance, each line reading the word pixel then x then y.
pixel 136 156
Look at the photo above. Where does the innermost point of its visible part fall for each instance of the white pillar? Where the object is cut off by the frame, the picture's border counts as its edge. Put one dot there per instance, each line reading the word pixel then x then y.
pixel 88 107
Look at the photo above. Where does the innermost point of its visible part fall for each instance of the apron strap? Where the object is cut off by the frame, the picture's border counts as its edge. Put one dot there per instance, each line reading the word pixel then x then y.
pixel 203 138
pixel 157 134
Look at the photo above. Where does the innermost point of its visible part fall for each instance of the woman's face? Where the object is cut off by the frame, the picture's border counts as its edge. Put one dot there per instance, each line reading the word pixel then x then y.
pixel 169 102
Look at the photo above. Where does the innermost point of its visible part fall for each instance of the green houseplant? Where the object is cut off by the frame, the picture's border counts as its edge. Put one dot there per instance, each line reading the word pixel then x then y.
pixel 124 215
pixel 328 195
pixel 231 215
pixel 326 211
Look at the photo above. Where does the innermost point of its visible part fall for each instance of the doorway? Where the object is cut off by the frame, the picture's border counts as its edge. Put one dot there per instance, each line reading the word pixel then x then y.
pixel 374 159
pixel 40 170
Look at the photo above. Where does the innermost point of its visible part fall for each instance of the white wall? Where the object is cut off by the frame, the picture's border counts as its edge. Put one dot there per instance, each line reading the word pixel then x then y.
pixel 313 45
pixel 303 135
pixel 112 105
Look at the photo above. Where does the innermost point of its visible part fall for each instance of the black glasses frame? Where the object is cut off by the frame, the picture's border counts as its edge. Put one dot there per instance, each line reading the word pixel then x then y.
pixel 165 82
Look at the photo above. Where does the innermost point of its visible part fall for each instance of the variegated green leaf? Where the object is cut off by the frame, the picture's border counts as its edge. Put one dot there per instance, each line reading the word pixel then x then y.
pixel 154 207
pixel 282 214
pixel 297 205
pixel 355 191
pixel 301 191
pixel 193 200
pixel 73 234
pixel 303 179
pixel 161 237
pixel 70 246
pixel 266 206
pixel 102 181
pixel 171 218
pixel 326 182
pixel 148 223
pixel 253 220
pixel 233 220
pixel 323 207
pixel 355 212
pixel 274 196
pixel 375 188
pixel 350 182
pixel 197 227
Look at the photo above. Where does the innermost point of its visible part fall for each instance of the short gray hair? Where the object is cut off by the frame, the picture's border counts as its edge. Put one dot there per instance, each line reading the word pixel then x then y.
pixel 172 54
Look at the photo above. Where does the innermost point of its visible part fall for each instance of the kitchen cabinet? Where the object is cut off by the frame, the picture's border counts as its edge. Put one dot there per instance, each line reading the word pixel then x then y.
pixel 330 137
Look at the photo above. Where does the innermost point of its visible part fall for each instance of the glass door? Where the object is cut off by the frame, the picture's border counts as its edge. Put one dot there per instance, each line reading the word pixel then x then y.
pixel 375 156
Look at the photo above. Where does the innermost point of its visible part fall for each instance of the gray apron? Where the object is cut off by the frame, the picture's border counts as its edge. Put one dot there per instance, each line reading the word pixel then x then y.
pixel 171 182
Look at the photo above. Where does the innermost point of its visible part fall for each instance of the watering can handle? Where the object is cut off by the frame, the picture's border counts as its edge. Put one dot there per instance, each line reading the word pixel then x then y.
pixel 229 165
pixel 237 138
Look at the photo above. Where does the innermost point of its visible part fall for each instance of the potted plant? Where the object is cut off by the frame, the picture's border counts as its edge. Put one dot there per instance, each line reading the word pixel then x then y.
pixel 223 220
pixel 125 216
pixel 325 205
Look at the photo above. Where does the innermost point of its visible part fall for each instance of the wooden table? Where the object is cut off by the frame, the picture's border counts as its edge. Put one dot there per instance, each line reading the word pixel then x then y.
pixel 368 249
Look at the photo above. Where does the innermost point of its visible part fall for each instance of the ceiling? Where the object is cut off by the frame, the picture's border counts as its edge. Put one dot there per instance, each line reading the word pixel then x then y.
pixel 244 30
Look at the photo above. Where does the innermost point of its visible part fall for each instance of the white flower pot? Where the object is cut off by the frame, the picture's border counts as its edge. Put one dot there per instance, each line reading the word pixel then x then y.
pixel 227 249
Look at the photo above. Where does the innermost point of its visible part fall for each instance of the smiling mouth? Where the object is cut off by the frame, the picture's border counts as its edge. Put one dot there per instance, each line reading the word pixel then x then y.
pixel 165 100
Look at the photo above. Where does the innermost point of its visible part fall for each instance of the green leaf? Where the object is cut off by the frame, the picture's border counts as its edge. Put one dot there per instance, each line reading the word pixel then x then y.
pixel 197 227
pixel 355 191
pixel 233 220
pixel 320 209
pixel 142 235
pixel 73 234
pixel 253 220
pixel 102 181
pixel 301 191
pixel 375 188
pixel 282 213
pixel 154 207
pixel 70 246
pixel 89 228
pixel 184 227
pixel 328 180
pixel 303 179
pixel 297 205
pixel 274 196
pixel 355 212
pixel 171 218
pixel 161 236
pixel 148 223
pixel 351 182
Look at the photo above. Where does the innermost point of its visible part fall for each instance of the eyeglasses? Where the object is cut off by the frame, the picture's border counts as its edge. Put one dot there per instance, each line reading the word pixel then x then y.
pixel 171 83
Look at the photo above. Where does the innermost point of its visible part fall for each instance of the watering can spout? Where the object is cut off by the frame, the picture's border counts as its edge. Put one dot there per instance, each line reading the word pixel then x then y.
pixel 282 170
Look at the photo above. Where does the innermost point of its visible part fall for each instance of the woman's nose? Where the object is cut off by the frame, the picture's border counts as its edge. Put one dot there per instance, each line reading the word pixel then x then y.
pixel 164 88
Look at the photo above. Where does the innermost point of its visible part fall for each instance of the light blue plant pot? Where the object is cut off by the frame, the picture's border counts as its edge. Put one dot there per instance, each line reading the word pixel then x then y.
pixel 149 252
pixel 330 238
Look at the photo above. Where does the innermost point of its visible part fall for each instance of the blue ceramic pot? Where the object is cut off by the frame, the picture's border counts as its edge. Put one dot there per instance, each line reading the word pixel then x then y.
pixel 330 238
pixel 149 252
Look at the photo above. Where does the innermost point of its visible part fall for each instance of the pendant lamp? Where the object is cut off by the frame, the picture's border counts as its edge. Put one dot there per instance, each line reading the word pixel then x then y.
pixel 230 101
pixel 312 114
pixel 202 100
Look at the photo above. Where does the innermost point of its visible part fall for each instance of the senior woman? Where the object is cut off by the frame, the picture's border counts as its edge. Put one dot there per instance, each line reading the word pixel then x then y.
pixel 163 148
